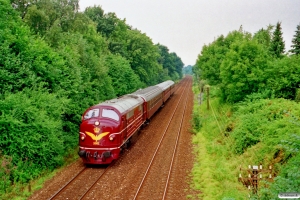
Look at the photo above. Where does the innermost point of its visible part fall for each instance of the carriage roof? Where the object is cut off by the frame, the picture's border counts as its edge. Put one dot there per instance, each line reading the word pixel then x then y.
pixel 165 85
pixel 149 92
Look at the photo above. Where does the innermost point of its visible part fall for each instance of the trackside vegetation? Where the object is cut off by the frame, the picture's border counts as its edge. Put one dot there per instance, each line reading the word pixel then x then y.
pixel 55 62
pixel 253 116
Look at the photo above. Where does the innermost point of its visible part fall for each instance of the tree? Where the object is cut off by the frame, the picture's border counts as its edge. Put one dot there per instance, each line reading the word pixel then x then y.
pixel 120 72
pixel 241 71
pixel 263 36
pixel 283 77
pixel 172 64
pixel 143 56
pixel 212 55
pixel 178 64
pixel 277 44
pixel 296 42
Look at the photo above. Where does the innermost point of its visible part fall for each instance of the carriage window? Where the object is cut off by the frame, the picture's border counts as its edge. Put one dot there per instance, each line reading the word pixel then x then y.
pixel 91 113
pixel 110 114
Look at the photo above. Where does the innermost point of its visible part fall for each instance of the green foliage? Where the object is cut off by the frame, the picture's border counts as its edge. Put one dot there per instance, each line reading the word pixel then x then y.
pixel 31 131
pixel 250 67
pixel 172 64
pixel 255 131
pixel 288 180
pixel 143 56
pixel 37 19
pixel 196 123
pixel 266 121
pixel 24 60
pixel 212 56
pixel 152 63
pixel 283 77
pixel 215 169
pixel 210 60
pixel 263 36
pixel 277 43
pixel 120 72
pixel 242 69
pixel 296 42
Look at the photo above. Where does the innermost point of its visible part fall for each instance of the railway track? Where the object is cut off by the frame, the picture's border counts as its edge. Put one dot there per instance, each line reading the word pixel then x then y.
pixel 81 183
pixel 165 152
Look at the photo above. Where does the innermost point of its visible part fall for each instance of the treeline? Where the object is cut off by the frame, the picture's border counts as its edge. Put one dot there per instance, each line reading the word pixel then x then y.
pixel 54 63
pixel 188 70
pixel 242 64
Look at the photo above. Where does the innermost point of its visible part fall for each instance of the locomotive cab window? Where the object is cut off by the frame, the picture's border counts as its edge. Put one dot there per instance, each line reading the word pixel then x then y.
pixel 108 113
pixel 91 113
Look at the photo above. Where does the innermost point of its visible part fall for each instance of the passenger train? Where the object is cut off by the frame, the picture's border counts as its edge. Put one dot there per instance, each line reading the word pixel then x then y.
pixel 107 128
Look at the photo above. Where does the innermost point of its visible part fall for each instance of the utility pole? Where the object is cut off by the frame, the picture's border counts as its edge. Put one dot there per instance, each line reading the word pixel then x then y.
pixel 207 90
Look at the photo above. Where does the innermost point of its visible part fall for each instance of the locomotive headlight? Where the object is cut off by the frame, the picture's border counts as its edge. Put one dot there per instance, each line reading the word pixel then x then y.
pixel 97 123
pixel 111 137
pixel 82 136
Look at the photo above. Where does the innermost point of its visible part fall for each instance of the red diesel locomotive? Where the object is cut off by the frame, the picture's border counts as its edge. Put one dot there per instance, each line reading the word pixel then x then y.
pixel 107 128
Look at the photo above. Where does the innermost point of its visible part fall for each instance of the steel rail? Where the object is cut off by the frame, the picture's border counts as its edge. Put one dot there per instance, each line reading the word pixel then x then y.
pixel 90 188
pixel 175 149
pixel 158 146
pixel 68 183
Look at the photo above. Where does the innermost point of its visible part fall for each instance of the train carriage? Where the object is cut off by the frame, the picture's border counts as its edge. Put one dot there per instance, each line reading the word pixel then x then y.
pixel 168 89
pixel 153 98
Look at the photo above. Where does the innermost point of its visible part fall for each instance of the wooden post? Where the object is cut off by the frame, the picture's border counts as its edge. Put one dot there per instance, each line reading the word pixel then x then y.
pixel 207 89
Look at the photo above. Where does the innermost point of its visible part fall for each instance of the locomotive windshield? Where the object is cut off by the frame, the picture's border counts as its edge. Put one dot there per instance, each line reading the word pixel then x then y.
pixel 108 113
pixel 91 113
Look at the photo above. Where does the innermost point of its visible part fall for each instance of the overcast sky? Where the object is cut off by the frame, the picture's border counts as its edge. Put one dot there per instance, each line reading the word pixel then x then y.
pixel 184 26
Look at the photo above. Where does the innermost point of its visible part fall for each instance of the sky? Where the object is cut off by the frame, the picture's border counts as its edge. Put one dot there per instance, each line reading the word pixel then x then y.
pixel 184 26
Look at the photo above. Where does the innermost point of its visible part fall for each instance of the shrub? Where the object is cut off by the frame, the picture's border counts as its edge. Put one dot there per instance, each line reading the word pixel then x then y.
pixel 31 132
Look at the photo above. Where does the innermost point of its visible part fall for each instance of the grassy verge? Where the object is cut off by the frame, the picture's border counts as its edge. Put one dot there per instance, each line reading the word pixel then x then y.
pixel 230 137
pixel 215 172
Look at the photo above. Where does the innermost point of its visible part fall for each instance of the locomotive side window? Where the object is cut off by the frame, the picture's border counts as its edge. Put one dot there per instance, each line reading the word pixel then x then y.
pixel 91 113
pixel 129 115
pixel 110 114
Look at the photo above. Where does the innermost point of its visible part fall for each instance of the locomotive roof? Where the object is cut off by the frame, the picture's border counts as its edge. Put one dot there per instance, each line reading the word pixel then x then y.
pixel 149 92
pixel 124 103
pixel 165 85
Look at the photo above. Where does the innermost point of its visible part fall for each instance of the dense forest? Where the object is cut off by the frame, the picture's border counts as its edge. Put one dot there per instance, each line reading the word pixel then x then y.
pixel 54 63
pixel 254 114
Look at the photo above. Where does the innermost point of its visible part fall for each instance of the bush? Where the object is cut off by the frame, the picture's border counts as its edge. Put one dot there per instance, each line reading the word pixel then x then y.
pixel 196 120
pixel 263 120
pixel 31 132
